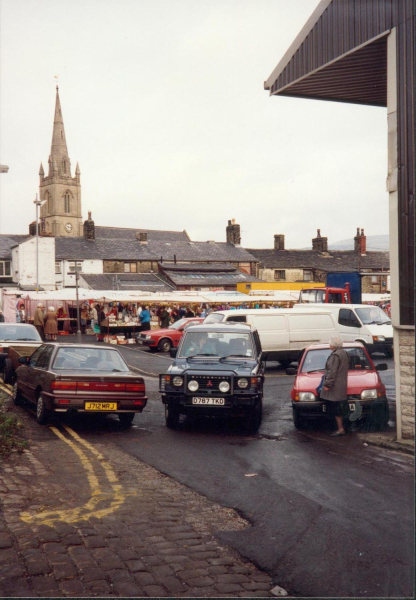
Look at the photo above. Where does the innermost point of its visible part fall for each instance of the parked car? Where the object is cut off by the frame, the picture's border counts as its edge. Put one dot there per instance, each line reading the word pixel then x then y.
pixel 163 340
pixel 75 377
pixel 364 385
pixel 218 370
pixel 22 337
pixel 284 333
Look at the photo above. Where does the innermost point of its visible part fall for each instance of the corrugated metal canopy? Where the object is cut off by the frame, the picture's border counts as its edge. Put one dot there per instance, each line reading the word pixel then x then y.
pixel 360 77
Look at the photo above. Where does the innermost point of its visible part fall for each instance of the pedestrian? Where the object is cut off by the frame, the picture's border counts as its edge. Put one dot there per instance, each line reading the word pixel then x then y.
pixel 164 318
pixel 93 316
pixel 60 315
pixel 39 319
pixel 51 325
pixel 1 317
pixel 189 313
pixel 144 319
pixel 334 387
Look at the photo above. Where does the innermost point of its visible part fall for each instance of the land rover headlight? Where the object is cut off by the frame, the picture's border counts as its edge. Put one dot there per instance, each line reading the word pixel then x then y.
pixel 224 386
pixel 306 397
pixel 368 394
pixel 242 383
pixel 177 381
pixel 193 386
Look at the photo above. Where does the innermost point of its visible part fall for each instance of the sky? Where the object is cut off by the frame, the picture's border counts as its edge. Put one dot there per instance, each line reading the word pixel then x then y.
pixel 165 111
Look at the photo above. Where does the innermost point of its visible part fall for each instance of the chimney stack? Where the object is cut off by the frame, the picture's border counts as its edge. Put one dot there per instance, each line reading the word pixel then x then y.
pixel 279 242
pixel 89 228
pixel 233 233
pixel 360 242
pixel 320 244
pixel 142 237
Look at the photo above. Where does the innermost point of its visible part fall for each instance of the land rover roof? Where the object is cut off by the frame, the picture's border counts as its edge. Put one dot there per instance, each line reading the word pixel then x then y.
pixel 222 328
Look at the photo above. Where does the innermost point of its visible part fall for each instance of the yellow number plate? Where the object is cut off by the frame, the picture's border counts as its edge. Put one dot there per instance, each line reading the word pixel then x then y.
pixel 101 406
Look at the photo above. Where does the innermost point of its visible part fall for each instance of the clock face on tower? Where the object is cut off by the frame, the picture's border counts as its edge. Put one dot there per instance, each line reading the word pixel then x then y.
pixel 68 227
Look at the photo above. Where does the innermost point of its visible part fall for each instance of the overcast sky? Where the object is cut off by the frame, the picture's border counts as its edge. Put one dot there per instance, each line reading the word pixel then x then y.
pixel 164 108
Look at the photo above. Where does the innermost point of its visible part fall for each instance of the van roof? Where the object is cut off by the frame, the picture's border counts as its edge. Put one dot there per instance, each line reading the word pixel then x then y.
pixel 222 328
pixel 329 305
pixel 258 311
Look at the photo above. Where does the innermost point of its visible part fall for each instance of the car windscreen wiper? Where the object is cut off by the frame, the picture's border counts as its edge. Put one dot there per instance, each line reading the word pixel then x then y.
pixel 195 355
pixel 26 340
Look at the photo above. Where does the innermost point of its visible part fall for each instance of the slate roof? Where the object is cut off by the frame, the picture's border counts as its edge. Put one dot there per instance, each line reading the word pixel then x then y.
pixel 7 241
pixel 78 248
pixel 205 274
pixel 334 260
pixel 145 282
pixel 128 233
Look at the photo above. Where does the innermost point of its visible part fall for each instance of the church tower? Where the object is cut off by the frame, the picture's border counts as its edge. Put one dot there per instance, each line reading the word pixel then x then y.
pixel 60 214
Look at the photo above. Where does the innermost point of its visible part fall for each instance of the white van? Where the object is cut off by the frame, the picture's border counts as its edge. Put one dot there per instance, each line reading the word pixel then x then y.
pixel 359 323
pixel 284 333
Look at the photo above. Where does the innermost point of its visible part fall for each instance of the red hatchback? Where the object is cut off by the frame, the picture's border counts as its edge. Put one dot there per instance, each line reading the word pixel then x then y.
pixel 163 340
pixel 364 385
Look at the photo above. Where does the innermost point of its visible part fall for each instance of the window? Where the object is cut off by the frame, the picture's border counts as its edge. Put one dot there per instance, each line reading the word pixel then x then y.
pixel 374 279
pixel 130 267
pixel 72 268
pixel 307 275
pixel 4 268
pixel 67 203
pixel 347 318
pixel 58 267
pixel 280 275
pixel 43 360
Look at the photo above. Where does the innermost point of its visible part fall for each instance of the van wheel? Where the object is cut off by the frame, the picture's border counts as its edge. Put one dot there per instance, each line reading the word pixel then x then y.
pixel 254 416
pixel 8 371
pixel 42 414
pixel 298 422
pixel 164 345
pixel 285 363
pixel 172 416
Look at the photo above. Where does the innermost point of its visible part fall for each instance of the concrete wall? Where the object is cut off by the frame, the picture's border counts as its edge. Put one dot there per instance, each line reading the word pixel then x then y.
pixel 403 336
pixel 24 263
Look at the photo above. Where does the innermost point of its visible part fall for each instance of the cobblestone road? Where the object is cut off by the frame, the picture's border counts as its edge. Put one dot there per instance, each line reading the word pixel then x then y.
pixel 81 519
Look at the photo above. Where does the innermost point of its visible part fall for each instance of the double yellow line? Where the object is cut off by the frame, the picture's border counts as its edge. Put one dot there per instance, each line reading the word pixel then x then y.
pixel 115 495
pixel 102 502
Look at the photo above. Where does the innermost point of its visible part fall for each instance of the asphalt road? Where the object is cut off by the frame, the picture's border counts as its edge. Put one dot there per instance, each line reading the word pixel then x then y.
pixel 329 517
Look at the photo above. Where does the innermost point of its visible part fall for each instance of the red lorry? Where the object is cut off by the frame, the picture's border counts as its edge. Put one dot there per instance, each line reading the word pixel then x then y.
pixel 326 295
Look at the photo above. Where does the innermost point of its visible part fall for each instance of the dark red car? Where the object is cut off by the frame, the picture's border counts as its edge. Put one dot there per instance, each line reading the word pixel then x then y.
pixel 364 385
pixel 163 340
pixel 77 377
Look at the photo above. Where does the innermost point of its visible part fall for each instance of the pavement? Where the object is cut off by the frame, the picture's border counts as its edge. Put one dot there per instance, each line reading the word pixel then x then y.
pixel 81 519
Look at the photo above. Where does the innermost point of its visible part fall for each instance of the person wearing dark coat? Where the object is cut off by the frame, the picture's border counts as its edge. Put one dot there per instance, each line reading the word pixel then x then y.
pixel 164 318
pixel 334 389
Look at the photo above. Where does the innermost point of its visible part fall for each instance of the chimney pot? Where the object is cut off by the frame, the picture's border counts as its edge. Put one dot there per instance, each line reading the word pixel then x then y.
pixel 320 244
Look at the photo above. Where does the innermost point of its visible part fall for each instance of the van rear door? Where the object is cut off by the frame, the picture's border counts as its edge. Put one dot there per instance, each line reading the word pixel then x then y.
pixel 306 329
pixel 273 331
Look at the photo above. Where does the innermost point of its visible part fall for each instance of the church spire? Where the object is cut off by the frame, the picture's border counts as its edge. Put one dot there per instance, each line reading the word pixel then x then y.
pixel 59 151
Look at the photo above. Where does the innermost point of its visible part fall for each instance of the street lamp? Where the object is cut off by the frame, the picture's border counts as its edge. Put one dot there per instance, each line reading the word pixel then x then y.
pixel 79 339
pixel 38 203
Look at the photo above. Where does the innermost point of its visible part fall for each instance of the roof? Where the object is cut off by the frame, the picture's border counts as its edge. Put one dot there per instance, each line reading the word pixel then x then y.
pixel 7 242
pixel 341 52
pixel 334 260
pixel 129 248
pixel 147 282
pixel 207 274
pixel 222 327
pixel 125 233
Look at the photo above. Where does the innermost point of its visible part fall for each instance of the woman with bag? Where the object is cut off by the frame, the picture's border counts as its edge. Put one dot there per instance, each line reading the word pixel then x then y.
pixel 51 326
pixel 334 386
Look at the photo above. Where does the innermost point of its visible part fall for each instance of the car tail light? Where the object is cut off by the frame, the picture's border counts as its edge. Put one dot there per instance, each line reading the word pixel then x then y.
pixel 63 401
pixel 138 402
pixel 64 385
pixel 135 387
